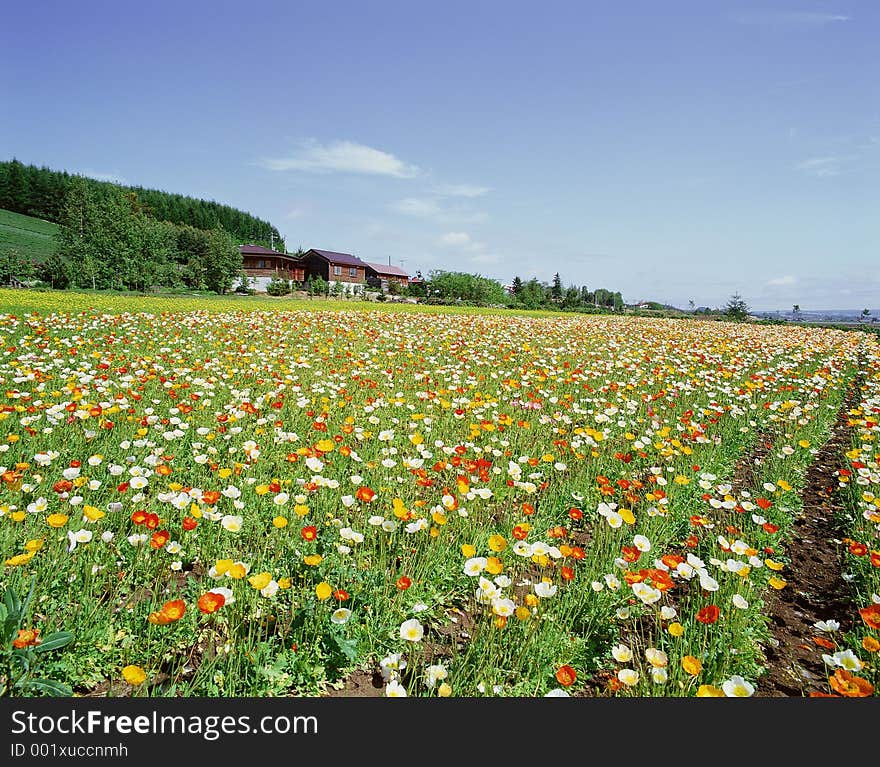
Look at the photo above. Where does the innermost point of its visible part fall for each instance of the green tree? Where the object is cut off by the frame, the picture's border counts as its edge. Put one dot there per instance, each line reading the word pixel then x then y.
pixel 56 271
pixel 556 288
pixel 736 309
pixel 76 227
pixel 224 261
pixel 14 266
pixel 516 286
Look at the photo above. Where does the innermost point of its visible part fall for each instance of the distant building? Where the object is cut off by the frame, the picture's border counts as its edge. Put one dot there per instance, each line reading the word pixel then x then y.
pixel 382 275
pixel 335 267
pixel 262 264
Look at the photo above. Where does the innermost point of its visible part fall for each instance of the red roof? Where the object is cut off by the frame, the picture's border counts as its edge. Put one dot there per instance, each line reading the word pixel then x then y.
pixel 391 271
pixel 346 259
pixel 257 250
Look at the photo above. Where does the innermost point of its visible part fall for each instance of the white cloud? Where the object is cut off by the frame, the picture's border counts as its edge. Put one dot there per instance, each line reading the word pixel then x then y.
pixel 455 238
pixel 299 211
pixel 342 157
pixel 820 167
pixel 788 279
pixel 416 206
pixel 790 18
pixel 462 190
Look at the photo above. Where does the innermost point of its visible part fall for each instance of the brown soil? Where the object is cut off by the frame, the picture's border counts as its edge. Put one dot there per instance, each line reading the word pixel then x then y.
pixel 359 684
pixel 816 589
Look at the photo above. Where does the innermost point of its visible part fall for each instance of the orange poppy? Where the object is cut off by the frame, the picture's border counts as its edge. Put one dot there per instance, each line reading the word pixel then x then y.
pixel 849 685
pixel 630 553
pixel 566 676
pixel 26 638
pixel 871 616
pixel 520 532
pixel 365 494
pixel 170 612
pixel 190 523
pixel 859 549
pixel 403 583
pixel 210 602
pixel 159 539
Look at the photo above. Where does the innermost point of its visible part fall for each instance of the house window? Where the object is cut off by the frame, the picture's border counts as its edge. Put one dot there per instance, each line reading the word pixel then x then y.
pixel 337 271
pixel 352 271
pixel 261 264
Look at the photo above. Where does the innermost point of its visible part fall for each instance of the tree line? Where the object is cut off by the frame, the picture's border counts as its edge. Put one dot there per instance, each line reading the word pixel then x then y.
pixel 42 192
pixel 443 286
pixel 109 241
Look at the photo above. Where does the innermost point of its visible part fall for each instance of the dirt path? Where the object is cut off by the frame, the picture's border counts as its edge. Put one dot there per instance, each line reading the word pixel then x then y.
pixel 816 589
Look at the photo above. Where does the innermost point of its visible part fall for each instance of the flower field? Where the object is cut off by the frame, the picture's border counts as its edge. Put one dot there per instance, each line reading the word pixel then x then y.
pixel 252 500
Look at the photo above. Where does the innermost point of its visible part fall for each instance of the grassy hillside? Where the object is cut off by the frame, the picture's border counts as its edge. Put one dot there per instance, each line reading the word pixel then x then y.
pixel 31 237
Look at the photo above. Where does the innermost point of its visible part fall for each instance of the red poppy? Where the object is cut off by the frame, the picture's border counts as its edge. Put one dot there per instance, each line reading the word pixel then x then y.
pixel 566 676
pixel 871 616
pixel 630 553
pixel 520 533
pixel 875 558
pixel 210 602
pixel 210 497
pixel 159 539
pixel 139 517
pixel 764 503
pixel 691 541
pixel 340 595
pixel 708 614
pixel 823 642
pixel 63 486
pixel 190 523
pixel 575 514
pixel 577 553
pixel 152 521
pixel 567 573
pixel 528 509
pixel 859 549
pixel 365 494
pixel 769 527
pixel 403 583
pixel 309 533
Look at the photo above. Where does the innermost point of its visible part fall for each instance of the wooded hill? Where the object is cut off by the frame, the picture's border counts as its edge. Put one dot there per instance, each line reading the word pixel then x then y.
pixel 41 192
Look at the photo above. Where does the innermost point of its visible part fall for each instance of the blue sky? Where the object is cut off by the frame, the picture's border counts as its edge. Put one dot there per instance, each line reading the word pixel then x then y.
pixel 675 151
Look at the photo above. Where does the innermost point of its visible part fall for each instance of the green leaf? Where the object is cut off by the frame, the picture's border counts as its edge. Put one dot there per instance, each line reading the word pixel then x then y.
pixel 54 641
pixel 10 627
pixel 49 687
pixel 3 613
pixel 13 604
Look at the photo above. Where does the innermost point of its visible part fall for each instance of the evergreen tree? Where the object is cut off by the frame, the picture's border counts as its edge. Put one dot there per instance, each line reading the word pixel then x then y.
pixel 556 288
pixel 516 286
pixel 736 309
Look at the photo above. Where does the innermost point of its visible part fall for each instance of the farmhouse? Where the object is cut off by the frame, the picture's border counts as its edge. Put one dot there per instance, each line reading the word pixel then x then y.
pixel 262 264
pixel 382 275
pixel 335 267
